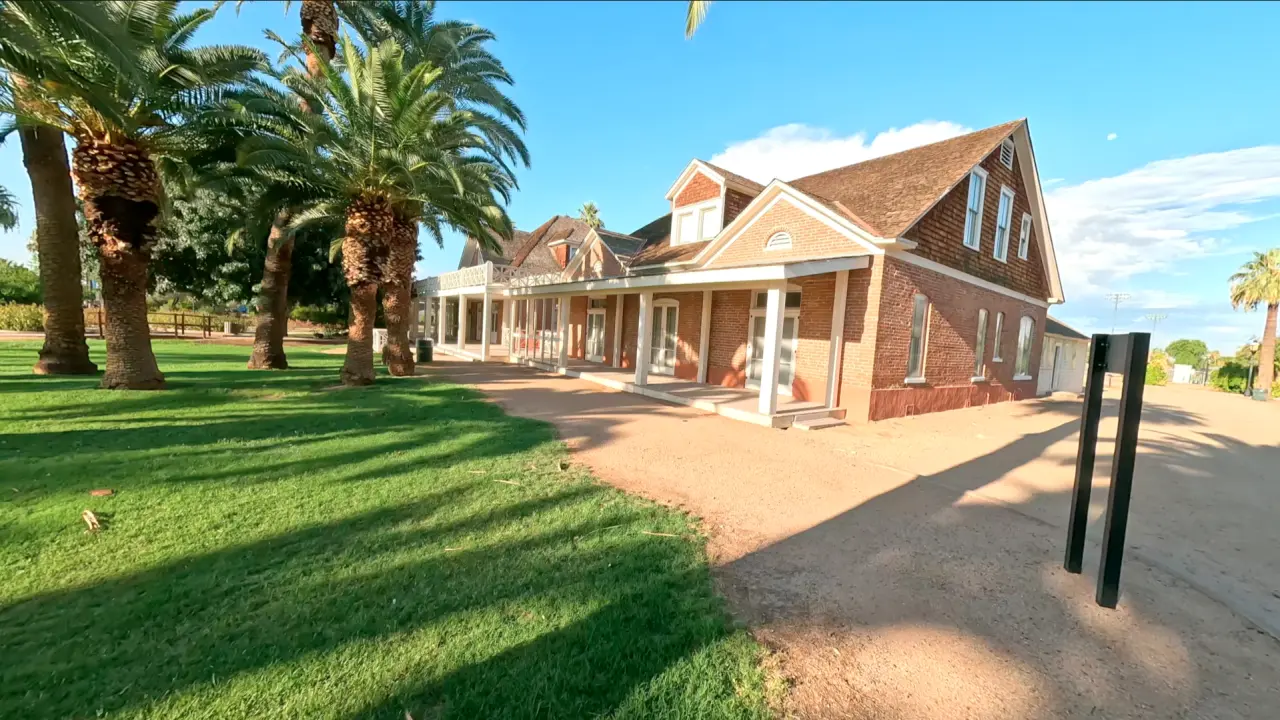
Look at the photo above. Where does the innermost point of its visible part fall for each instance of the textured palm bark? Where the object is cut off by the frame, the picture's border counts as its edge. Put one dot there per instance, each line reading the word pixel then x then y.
pixel 397 296
pixel 370 225
pixel 320 25
pixel 119 188
pixel 1267 353
pixel 65 351
pixel 273 300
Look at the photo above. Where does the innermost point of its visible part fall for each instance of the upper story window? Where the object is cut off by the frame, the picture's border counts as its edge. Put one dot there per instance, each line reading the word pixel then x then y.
pixel 973 209
pixel 778 241
pixel 1006 153
pixel 569 253
pixel 696 222
pixel 1024 236
pixel 1004 221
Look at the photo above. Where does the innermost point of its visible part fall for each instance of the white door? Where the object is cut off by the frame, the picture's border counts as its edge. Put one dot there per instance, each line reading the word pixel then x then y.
pixel 786 361
pixel 1057 368
pixel 595 337
pixel 662 349
pixel 495 324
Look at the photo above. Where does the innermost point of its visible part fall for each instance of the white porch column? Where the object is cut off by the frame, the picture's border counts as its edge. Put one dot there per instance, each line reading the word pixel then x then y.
pixel 486 310
pixel 617 330
pixel 462 321
pixel 642 342
pixel 775 309
pixel 508 324
pixel 836 355
pixel 704 337
pixel 441 317
pixel 562 333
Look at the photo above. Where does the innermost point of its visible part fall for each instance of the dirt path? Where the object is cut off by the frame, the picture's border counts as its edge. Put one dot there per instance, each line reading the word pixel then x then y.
pixel 912 569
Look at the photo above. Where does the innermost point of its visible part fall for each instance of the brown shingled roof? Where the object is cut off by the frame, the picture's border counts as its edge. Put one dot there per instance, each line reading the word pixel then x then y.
pixel 507 249
pixel 748 183
pixel 890 193
pixel 657 248
pixel 535 255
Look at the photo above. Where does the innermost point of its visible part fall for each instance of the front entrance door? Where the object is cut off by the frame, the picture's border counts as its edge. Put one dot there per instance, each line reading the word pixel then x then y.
pixel 662 351
pixel 786 361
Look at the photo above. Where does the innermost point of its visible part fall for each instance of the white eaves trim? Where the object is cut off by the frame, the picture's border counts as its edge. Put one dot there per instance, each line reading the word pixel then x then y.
pixel 1035 196
pixel 751 274
pixel 690 171
pixel 966 277
pixel 580 256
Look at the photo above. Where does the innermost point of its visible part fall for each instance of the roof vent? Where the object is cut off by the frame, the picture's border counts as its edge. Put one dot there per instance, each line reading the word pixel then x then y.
pixel 778 241
pixel 1006 153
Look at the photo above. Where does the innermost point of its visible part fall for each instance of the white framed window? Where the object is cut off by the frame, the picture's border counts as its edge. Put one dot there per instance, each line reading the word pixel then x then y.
pixel 919 338
pixel 1024 236
pixel 696 223
pixel 973 209
pixel 1004 222
pixel 1006 153
pixel 995 343
pixel 787 340
pixel 1022 363
pixel 980 347
pixel 595 329
pixel 780 240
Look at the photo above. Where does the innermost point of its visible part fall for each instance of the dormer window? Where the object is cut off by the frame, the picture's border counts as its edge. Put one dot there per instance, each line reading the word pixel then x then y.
pixel 696 223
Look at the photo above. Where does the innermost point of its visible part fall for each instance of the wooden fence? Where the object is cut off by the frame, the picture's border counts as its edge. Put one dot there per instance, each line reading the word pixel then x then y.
pixel 177 324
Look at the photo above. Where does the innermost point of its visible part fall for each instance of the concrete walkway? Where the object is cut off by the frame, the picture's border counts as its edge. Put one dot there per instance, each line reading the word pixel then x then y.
pixel 912 569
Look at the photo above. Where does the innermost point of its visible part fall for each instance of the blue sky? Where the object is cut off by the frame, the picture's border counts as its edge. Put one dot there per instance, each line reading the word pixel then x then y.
pixel 618 102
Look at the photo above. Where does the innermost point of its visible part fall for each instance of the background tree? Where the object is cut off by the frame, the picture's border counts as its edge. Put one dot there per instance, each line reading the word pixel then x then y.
pixel 472 79
pixel 130 127
pixel 43 42
pixel 1187 352
pixel 8 210
pixel 386 148
pixel 1258 283
pixel 18 284
pixel 590 214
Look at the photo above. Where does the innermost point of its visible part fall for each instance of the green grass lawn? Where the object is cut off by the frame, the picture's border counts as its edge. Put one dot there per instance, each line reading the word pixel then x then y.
pixel 277 547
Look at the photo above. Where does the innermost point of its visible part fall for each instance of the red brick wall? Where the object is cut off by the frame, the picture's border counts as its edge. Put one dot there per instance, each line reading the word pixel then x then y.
pixel 696 190
pixel 734 203
pixel 561 253
pixel 596 253
pixel 949 352
pixel 810 238
pixel 578 326
pixel 630 325
pixel 940 233
pixel 688 331
pixel 727 348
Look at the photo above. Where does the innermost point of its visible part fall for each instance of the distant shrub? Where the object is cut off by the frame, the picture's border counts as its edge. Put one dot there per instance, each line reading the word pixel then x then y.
pixel 18 284
pixel 24 318
pixel 1157 375
pixel 326 316
pixel 1231 377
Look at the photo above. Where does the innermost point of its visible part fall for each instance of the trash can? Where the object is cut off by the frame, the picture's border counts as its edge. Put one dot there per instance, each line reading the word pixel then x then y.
pixel 1259 394
pixel 424 350
pixel 231 328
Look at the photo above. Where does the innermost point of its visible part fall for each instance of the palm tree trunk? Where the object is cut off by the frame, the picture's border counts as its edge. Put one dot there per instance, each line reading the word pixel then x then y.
pixel 397 297
pixel 1267 353
pixel 273 300
pixel 358 368
pixel 65 351
pixel 119 188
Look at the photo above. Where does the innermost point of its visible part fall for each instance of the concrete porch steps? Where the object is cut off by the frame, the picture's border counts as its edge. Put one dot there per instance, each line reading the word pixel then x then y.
pixel 817 423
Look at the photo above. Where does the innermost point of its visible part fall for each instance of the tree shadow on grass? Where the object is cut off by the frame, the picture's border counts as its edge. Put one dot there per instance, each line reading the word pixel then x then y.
pixel 162 639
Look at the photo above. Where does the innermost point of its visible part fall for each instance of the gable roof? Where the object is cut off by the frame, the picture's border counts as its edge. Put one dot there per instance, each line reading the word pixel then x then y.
pixel 622 246
pixel 536 256
pixel 507 249
pixel 1054 326
pixel 890 193
pixel 746 183
pixel 657 248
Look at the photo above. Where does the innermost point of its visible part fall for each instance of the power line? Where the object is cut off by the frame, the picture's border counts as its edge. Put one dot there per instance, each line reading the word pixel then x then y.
pixel 1116 298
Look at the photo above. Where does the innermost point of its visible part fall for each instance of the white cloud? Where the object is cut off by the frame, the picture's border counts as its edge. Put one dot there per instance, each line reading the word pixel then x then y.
pixel 795 150
pixel 1111 136
pixel 1109 230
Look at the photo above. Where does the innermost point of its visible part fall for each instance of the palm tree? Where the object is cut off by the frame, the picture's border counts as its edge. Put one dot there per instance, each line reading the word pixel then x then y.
pixel 320 28
pixel 40 42
pixel 590 214
pixel 1258 283
pixel 130 127
pixel 472 78
pixel 386 150
pixel 8 210
pixel 696 13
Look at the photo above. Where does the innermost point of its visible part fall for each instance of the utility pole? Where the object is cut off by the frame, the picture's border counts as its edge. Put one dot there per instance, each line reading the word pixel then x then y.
pixel 1116 298
pixel 1155 319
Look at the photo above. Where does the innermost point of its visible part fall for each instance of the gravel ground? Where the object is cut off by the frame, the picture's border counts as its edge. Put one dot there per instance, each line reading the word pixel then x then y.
pixel 912 568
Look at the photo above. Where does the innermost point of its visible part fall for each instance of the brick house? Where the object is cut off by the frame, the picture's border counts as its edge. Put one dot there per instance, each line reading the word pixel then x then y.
pixel 910 283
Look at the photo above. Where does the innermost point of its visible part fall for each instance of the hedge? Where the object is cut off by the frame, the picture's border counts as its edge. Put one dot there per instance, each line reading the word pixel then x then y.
pixel 24 318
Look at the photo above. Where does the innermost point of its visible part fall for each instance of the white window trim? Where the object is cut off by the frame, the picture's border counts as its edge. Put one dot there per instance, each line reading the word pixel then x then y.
pixel 694 213
pixel 1019 350
pixel 982 202
pixel 595 311
pixel 924 340
pixel 1024 236
pixel 658 305
pixel 787 312
pixel 995 349
pixel 980 348
pixel 996 251
pixel 783 239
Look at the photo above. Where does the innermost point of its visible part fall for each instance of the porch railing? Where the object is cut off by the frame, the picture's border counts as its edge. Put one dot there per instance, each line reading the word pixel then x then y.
pixel 484 274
